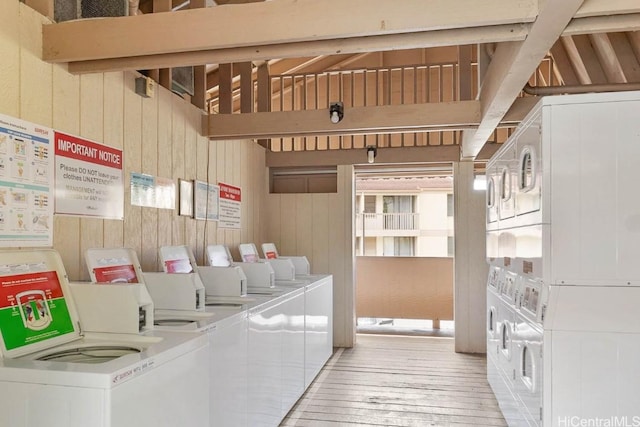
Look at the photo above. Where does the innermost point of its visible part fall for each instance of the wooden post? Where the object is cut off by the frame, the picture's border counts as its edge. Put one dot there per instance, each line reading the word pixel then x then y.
pixel 225 99
pixel 162 76
pixel 264 96
pixel 199 97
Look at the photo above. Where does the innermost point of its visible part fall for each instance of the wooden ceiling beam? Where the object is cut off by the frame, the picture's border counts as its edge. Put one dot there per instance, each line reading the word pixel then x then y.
pixel 624 52
pixel 511 66
pixel 607 7
pixel 603 24
pixel 590 59
pixel 269 23
pixel 608 58
pixel 357 120
pixel 462 36
pixel 563 64
pixel 576 60
pixel 634 41
pixel 387 155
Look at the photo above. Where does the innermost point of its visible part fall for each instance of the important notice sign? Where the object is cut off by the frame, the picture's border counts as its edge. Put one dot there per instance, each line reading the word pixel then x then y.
pixel 230 206
pixel 88 178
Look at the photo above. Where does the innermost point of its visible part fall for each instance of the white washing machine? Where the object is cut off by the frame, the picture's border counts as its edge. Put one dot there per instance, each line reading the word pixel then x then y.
pixel 178 297
pixel 54 373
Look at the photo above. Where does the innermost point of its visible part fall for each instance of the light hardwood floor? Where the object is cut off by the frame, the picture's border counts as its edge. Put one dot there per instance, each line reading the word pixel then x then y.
pixel 399 381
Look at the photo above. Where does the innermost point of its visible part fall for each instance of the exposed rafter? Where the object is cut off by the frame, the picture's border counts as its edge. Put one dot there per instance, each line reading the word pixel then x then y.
pixel 511 67
pixel 270 23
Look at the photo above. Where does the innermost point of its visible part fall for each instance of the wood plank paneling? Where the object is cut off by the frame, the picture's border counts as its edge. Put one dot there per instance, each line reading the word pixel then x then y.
pixel 114 137
pixel 190 166
pixel 35 98
pixel 159 136
pixel 178 156
pixel 319 257
pixel 149 165
pixel 202 174
pixel 165 113
pixel 66 236
pixel 132 163
pixel 288 221
pixel 399 381
pixel 304 224
pixel 10 54
pixel 91 127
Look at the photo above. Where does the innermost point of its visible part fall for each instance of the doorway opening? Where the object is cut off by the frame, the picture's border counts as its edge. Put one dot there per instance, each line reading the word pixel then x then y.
pixel 404 249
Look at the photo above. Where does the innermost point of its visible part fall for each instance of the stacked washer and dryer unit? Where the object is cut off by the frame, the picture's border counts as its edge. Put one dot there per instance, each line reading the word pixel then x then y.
pixel 563 242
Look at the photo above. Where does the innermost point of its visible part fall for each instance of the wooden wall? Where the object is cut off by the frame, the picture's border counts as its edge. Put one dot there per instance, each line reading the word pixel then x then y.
pixel 320 226
pixel 159 136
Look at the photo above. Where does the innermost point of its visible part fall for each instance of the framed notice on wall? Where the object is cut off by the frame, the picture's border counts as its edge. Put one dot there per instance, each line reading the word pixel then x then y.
pixel 26 183
pixel 206 201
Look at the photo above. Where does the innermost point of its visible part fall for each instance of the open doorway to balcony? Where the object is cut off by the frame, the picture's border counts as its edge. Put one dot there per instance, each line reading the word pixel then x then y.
pixel 404 250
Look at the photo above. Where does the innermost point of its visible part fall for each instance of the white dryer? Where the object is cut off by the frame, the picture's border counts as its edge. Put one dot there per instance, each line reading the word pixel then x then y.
pixel 54 373
pixel 528 385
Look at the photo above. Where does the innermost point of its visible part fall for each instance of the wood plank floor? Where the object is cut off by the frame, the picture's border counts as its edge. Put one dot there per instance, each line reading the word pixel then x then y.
pixel 399 381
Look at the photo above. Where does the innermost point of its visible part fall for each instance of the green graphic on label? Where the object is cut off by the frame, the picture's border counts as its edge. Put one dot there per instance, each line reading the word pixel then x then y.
pixel 33 320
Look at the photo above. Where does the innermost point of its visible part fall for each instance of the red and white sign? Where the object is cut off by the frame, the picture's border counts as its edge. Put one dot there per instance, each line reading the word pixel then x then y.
pixel 89 178
pixel 116 274
pixel 230 206
pixel 178 266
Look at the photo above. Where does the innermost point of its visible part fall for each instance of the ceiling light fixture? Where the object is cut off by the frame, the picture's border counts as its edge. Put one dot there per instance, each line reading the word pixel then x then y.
pixel 372 152
pixel 336 111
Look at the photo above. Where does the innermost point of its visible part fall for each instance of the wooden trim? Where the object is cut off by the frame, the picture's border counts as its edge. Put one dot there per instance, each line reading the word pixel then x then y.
pixel 424 154
pixel 439 38
pixel 268 23
pixel 357 120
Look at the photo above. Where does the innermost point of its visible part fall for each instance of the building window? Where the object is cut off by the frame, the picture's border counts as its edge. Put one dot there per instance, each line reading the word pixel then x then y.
pixel 369 204
pixel 450 246
pixel 449 205
pixel 398 246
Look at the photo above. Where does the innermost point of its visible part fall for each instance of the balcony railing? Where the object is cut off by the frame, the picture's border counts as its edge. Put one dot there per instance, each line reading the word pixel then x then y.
pixel 374 222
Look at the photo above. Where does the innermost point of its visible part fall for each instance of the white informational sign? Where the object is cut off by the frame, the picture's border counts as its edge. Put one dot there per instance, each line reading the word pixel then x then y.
pixel 88 178
pixel 152 191
pixel 230 206
pixel 206 201
pixel 26 176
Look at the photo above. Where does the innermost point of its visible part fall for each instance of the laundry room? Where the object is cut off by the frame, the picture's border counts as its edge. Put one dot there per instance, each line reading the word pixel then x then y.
pixel 186 237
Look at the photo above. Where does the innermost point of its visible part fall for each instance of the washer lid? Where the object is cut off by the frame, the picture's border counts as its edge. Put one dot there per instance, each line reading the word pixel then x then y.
pixel 36 308
pixel 177 259
pixel 114 265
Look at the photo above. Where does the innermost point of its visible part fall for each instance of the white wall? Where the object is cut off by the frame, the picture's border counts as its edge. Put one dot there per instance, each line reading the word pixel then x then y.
pixel 432 207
